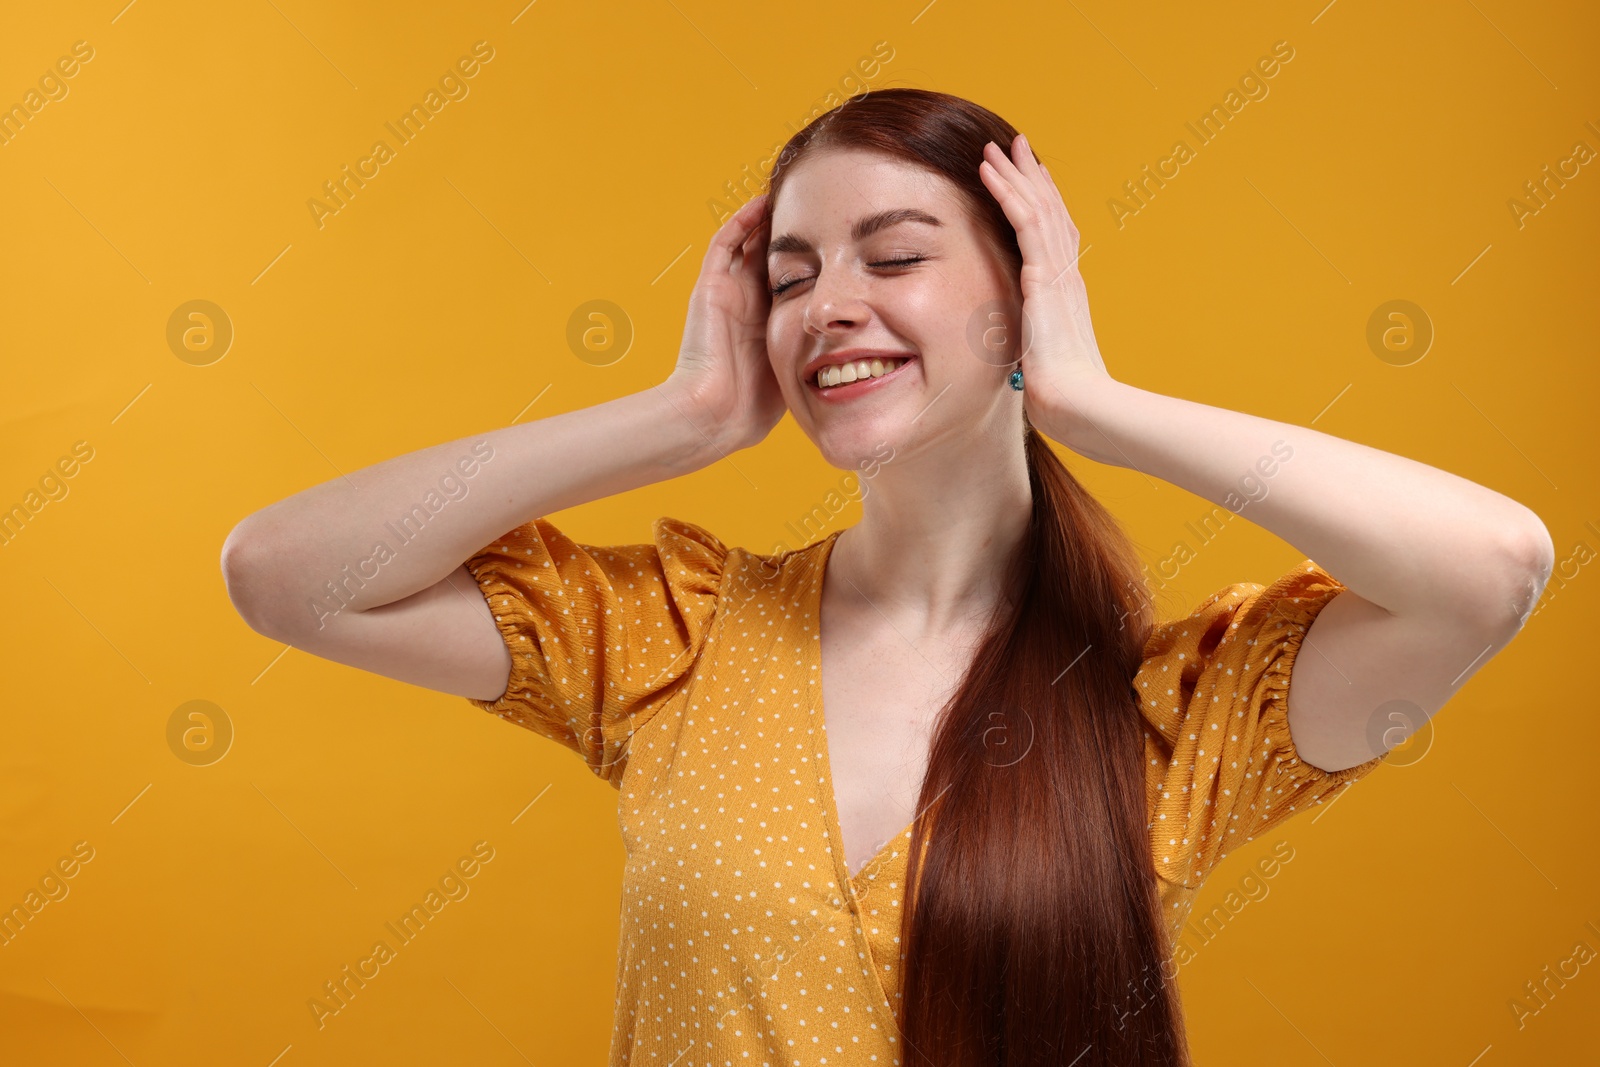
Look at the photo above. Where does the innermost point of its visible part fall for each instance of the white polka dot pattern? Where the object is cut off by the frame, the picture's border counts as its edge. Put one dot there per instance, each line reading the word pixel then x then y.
pixel 600 637
pixel 688 675
pixel 1222 766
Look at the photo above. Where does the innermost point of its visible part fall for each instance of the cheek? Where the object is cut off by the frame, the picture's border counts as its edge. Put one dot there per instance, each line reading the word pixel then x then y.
pixel 931 302
pixel 785 334
pixel 934 321
pixel 786 342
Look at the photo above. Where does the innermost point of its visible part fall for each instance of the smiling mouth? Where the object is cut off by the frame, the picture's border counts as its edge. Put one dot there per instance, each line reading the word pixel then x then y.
pixel 860 370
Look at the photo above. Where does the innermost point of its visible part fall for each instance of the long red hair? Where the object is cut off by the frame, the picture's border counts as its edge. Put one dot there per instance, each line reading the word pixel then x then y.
pixel 1032 929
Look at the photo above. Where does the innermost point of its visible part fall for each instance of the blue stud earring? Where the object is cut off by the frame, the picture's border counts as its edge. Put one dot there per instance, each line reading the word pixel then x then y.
pixel 1016 380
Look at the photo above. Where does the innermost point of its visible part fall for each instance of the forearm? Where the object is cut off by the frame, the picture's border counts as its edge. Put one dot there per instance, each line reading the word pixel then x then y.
pixel 392 529
pixel 1410 538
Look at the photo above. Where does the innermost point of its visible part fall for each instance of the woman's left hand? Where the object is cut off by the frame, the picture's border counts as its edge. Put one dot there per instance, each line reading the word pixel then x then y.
pixel 1062 365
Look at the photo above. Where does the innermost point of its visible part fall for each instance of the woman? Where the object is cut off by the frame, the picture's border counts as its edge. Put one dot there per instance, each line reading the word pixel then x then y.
pixel 1007 728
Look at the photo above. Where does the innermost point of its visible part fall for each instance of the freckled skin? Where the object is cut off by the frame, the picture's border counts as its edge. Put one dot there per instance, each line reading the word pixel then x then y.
pixel 844 302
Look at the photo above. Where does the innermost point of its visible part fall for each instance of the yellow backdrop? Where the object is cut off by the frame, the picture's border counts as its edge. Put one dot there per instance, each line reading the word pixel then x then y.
pixel 219 290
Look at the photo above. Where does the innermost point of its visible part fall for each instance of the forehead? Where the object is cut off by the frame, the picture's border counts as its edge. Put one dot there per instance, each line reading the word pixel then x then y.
pixel 829 190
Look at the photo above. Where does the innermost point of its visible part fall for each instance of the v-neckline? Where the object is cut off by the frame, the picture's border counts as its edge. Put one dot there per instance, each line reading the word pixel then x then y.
pixel 825 785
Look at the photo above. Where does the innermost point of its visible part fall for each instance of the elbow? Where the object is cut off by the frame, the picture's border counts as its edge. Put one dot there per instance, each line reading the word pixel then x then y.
pixel 247 575
pixel 1530 556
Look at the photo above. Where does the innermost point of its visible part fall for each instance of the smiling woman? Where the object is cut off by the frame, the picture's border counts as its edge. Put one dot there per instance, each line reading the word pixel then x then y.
pixel 937 788
pixel 886 243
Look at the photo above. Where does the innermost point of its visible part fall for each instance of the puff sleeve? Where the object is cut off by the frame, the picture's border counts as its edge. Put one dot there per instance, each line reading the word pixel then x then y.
pixel 1213 689
pixel 600 637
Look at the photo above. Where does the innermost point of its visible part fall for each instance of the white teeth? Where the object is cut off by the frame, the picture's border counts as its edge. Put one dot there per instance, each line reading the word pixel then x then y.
pixel 841 373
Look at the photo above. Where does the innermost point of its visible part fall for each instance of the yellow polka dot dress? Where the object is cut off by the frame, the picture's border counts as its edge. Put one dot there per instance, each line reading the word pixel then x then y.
pixel 688 675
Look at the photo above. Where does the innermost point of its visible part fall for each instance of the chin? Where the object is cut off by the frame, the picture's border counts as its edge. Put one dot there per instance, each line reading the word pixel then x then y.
pixel 860 445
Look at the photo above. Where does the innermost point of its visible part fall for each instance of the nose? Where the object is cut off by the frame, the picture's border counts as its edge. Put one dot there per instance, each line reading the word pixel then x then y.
pixel 833 303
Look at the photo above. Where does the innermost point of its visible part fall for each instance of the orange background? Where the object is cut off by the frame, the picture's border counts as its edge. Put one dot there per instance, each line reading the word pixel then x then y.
pixel 581 165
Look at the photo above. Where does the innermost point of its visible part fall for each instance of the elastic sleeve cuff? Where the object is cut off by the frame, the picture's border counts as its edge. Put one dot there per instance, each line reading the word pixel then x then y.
pixel 1293 614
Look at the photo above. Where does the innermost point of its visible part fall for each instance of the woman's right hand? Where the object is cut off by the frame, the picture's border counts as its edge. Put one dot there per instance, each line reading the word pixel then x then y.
pixel 723 374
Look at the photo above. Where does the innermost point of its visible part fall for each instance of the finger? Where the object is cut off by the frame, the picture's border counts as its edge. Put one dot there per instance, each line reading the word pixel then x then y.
pixel 753 253
pixel 1006 169
pixel 1010 188
pixel 1002 165
pixel 1051 188
pixel 731 236
pixel 755 242
pixel 755 277
pixel 1022 156
pixel 1036 173
pixel 1023 216
pixel 1058 198
pixel 1041 242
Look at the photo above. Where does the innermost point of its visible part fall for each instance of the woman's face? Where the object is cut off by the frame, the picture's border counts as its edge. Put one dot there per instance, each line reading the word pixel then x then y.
pixel 842 214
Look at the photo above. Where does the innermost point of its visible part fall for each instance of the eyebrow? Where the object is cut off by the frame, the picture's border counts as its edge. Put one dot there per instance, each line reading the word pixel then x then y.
pixel 865 227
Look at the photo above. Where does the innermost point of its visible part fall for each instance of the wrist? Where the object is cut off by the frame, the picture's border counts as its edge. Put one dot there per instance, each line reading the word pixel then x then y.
pixel 693 436
pixel 1082 416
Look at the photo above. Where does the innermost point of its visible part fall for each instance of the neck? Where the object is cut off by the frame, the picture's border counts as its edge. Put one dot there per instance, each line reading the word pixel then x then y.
pixel 935 539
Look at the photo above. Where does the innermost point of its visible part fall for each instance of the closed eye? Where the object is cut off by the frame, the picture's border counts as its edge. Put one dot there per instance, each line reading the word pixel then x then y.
pixel 903 261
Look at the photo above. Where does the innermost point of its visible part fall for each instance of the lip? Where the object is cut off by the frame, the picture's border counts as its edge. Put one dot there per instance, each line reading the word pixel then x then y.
pixel 862 386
